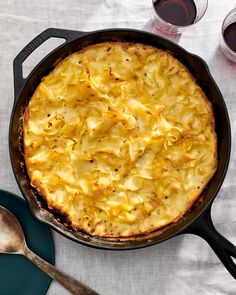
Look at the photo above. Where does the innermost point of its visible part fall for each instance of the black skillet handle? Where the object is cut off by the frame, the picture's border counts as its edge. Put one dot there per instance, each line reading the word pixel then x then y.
pixel 223 248
pixel 19 81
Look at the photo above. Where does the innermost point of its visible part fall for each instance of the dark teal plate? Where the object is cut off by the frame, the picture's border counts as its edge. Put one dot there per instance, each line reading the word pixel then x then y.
pixel 18 276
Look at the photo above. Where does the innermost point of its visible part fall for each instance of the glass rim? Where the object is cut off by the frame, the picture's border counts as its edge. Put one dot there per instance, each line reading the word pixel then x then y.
pixel 175 26
pixel 222 31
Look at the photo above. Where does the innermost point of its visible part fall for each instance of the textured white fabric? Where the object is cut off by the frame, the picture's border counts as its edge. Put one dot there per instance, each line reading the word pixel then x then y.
pixel 182 265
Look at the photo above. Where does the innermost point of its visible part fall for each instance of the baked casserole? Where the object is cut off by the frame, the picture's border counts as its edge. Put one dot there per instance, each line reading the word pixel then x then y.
pixel 120 139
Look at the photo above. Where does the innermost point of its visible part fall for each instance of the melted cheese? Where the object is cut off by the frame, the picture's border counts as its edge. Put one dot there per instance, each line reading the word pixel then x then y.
pixel 120 138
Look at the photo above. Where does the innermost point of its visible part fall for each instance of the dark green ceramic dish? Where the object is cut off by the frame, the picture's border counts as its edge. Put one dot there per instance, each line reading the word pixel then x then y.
pixel 17 274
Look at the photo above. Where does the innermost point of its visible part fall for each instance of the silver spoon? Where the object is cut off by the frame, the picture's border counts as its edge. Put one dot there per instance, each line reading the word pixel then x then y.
pixel 12 241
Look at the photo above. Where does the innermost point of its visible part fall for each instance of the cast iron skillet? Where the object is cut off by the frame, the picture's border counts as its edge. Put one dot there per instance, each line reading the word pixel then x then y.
pixel 198 220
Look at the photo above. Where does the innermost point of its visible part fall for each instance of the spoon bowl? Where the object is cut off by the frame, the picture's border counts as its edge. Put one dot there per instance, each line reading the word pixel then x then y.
pixel 12 241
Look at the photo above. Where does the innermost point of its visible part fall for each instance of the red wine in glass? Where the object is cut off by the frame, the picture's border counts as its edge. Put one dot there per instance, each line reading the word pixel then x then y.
pixel 176 12
pixel 230 36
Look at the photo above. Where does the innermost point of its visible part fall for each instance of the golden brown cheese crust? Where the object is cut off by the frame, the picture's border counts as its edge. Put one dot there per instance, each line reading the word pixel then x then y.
pixel 120 138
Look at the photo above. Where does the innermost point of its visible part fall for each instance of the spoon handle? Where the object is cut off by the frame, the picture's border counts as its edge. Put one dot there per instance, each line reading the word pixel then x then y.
pixel 72 285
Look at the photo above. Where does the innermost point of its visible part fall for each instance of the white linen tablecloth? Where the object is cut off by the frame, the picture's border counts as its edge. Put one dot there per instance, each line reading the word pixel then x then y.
pixel 182 265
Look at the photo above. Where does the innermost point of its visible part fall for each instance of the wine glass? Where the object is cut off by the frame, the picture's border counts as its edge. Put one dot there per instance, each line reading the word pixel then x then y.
pixel 228 35
pixel 175 16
